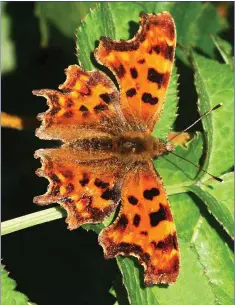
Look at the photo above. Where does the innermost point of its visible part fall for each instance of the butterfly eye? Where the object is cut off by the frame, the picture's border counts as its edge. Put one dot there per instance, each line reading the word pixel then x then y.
pixel 170 146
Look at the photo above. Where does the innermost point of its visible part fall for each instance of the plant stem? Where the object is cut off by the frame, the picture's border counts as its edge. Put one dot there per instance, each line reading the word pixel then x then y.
pixel 178 188
pixel 30 220
pixel 50 214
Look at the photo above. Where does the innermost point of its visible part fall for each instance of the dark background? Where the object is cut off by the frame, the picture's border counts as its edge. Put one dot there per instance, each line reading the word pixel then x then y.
pixel 51 264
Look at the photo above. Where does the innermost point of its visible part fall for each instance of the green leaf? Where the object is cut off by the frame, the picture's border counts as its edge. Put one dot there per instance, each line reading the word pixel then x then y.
pixel 208 23
pixel 225 50
pixel 214 83
pixel 182 206
pixel 88 34
pixel 177 172
pixel 119 291
pixel 65 17
pixel 217 259
pixel 9 295
pixel 8 59
pixel 219 198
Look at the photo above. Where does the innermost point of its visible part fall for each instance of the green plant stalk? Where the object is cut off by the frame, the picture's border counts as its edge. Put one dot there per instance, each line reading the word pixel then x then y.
pixel 32 219
pixel 51 214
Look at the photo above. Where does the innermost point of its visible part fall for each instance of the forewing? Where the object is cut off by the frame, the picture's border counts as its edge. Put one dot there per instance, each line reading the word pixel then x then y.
pixel 89 191
pixel 142 67
pixel 145 227
pixel 87 101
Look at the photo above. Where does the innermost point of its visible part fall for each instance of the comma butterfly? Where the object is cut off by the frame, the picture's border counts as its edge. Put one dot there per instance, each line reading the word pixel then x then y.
pixel 106 158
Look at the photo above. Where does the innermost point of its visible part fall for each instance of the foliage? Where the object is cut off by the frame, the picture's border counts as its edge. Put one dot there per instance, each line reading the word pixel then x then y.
pixel 9 295
pixel 7 45
pixel 225 50
pixel 202 207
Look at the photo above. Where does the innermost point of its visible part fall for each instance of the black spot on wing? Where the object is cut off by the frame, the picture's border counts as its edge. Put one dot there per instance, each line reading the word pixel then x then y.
pixel 165 50
pixel 157 217
pixel 109 194
pixel 132 200
pixel 122 222
pixel 105 97
pixel 136 220
pixel 134 73
pixel 155 77
pixel 170 242
pixel 141 61
pixel 149 194
pixel 144 233
pixel 149 99
pixel 131 92
pixel 83 108
pixel 85 180
pixel 120 71
pixel 169 52
pixel 100 107
pixel 157 49
pixel 101 184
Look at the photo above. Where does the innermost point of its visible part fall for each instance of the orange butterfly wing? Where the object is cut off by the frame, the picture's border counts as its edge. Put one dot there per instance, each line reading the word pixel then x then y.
pixel 89 102
pixel 88 190
pixel 142 67
pixel 145 227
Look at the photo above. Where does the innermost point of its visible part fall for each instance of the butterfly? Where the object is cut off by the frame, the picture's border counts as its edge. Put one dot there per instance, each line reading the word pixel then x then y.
pixel 106 157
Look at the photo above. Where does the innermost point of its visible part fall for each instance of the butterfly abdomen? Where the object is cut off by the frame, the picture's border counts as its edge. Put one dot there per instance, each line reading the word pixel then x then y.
pixel 104 144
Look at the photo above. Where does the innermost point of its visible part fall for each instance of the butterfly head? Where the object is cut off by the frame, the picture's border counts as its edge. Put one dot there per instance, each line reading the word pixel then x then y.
pixel 160 147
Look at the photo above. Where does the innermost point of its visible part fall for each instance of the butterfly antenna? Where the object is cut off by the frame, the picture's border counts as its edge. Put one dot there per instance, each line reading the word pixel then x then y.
pixel 201 117
pixel 214 177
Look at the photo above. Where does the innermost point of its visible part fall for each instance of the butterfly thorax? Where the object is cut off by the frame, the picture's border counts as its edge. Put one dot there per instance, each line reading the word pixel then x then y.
pixel 140 145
